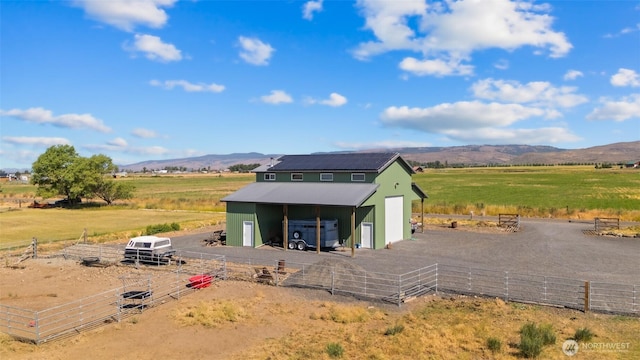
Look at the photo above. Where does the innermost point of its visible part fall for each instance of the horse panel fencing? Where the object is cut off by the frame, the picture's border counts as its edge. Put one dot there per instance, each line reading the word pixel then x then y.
pixel 140 292
pixel 136 294
pixel 614 298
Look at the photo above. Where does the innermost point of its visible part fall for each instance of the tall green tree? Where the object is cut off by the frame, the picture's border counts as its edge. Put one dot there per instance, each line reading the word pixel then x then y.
pixel 53 172
pixel 61 171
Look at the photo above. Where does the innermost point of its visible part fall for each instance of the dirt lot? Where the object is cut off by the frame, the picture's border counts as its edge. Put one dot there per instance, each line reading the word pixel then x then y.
pixel 155 333
pixel 247 320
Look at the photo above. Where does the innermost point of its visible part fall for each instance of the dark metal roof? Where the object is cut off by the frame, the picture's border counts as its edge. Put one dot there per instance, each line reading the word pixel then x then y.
pixel 418 190
pixel 336 194
pixel 365 162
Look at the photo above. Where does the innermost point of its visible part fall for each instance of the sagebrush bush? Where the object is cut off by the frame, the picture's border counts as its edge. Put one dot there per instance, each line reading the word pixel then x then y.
pixel 494 344
pixel 161 228
pixel 335 350
pixel 392 330
pixel 533 338
pixel 583 334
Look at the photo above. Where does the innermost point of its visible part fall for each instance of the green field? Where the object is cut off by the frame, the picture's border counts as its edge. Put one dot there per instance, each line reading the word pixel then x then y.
pixel 554 191
pixel 535 191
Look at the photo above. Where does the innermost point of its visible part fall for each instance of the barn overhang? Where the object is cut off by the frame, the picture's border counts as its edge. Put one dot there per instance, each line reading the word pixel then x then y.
pixel 418 191
pixel 323 194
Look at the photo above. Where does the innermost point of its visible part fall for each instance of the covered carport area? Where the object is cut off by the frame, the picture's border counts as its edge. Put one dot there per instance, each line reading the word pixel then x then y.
pixel 272 205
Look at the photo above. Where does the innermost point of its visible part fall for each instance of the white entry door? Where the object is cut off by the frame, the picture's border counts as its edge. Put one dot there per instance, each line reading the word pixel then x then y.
pixel 247 233
pixel 366 235
pixel 393 215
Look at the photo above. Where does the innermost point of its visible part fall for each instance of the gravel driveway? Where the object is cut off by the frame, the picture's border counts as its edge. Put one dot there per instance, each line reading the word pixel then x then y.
pixel 542 247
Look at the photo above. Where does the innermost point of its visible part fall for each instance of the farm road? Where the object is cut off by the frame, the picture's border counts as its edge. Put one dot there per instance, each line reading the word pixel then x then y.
pixel 542 247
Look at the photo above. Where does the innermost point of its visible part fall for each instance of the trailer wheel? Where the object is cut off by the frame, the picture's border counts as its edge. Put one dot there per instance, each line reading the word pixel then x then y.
pixel 291 245
pixel 297 235
pixel 301 246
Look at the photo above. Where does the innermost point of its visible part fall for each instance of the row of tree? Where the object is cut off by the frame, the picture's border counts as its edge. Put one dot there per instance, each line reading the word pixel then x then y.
pixel 61 171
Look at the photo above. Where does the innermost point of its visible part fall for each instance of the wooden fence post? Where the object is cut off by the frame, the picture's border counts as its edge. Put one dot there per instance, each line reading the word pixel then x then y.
pixel 34 244
pixel 586 296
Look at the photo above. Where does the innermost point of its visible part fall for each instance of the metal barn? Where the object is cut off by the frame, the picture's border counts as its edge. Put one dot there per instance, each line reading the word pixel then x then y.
pixel 370 195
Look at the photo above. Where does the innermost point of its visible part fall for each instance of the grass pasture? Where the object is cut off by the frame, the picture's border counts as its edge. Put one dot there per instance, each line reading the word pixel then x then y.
pixel 103 224
pixel 554 191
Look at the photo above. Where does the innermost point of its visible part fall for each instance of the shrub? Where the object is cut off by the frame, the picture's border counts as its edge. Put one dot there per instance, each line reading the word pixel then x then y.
pixel 335 350
pixel 583 334
pixel 534 338
pixel 494 344
pixel 161 228
pixel 397 329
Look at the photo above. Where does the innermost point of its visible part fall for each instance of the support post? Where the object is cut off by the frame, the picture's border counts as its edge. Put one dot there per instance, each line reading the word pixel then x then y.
pixel 285 231
pixel 422 216
pixel 353 231
pixel 318 242
pixel 586 295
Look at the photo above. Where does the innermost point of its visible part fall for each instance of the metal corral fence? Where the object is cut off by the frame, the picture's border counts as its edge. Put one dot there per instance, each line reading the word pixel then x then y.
pixel 334 276
pixel 614 298
pixel 136 294
pixel 345 278
pixel 510 286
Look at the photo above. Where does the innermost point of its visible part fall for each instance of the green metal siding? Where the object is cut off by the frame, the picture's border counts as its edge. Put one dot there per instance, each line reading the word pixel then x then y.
pixel 236 214
pixel 342 177
pixel 269 223
pixel 268 218
pixel 395 173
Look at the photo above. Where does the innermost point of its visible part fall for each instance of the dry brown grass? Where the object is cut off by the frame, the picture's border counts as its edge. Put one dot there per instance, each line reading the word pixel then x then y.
pixel 440 328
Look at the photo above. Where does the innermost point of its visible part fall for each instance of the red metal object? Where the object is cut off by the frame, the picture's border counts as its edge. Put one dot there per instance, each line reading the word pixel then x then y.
pixel 200 281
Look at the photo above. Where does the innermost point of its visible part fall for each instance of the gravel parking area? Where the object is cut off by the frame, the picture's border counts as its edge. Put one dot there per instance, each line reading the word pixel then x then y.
pixel 556 248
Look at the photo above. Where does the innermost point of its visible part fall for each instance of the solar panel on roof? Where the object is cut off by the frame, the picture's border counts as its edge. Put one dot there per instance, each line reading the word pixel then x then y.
pixel 335 162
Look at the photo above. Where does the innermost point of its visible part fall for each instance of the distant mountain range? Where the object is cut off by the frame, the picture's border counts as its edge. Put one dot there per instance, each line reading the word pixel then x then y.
pixel 469 155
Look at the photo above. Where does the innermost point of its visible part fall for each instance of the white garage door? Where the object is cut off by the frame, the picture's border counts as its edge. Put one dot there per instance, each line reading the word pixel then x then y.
pixel 393 216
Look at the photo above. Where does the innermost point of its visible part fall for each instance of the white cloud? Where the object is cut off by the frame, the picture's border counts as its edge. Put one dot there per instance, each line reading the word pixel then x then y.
pixel 187 86
pixel 144 133
pixel 537 136
pixel 334 100
pixel 36 141
pixel 388 144
pixel 118 142
pixel 451 31
pixel 624 31
pixel 476 122
pixel 502 64
pixel 42 116
pixel 277 97
pixel 540 93
pixel 310 7
pixel 117 146
pixel 436 67
pixel 627 108
pixel 127 14
pixel 572 75
pixel 255 51
pixel 625 77
pixel 151 150
pixel 154 49
pixel 468 115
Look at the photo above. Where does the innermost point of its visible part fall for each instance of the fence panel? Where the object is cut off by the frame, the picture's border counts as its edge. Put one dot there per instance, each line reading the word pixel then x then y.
pixel 466 280
pixel 614 298
pixel 103 253
pixel 112 305
pixel 18 323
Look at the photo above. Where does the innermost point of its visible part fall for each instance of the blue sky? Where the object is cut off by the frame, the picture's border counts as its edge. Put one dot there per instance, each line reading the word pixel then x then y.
pixel 160 79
